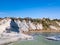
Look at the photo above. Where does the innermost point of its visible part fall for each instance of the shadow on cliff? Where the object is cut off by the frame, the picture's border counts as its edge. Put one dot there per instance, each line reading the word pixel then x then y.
pixel 14 26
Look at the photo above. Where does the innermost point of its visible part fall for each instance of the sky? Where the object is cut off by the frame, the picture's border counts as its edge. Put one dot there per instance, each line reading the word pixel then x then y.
pixel 30 8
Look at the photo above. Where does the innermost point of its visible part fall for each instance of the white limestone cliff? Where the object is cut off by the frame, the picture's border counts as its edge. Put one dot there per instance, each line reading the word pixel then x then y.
pixel 53 27
pixel 31 25
pixel 39 26
pixel 58 23
pixel 4 24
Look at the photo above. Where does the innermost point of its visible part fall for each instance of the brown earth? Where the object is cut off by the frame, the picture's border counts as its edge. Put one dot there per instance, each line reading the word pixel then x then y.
pixel 41 31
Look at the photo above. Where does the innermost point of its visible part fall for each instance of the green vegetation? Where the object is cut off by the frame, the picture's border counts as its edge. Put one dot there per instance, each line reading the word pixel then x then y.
pixel 44 21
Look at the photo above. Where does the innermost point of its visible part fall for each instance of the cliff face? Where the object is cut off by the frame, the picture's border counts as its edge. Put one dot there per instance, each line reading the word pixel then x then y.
pixel 17 25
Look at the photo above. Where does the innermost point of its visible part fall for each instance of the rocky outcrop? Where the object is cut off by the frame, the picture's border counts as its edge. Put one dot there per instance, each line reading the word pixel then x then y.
pixel 31 26
pixel 5 23
pixel 53 27
pixel 39 26
pixel 11 31
pixel 18 25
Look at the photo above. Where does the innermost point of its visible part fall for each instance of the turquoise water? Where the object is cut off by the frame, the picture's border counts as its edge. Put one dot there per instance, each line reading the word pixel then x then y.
pixel 39 40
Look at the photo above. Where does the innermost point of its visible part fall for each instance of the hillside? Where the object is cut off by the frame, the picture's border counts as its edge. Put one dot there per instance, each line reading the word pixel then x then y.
pixel 28 24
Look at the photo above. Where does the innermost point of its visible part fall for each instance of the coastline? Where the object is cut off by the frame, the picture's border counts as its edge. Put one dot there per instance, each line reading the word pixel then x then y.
pixel 41 31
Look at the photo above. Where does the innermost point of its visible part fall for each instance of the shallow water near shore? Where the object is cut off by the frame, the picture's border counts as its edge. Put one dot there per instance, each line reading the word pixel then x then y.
pixel 39 40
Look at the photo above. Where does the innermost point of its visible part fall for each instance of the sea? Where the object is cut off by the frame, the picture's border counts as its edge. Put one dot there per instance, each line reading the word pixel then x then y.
pixel 39 39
